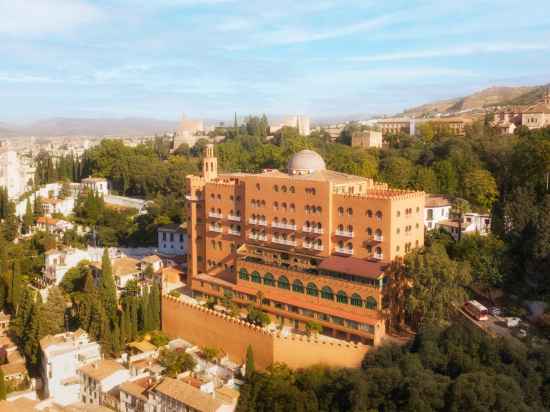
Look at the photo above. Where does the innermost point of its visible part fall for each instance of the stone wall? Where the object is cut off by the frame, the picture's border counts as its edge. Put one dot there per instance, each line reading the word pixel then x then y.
pixel 205 327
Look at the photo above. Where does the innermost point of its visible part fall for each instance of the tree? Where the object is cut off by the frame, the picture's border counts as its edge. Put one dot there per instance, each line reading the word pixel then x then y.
pixel 3 390
pixel 154 307
pixel 459 208
pixel 27 218
pixel 250 367
pixel 107 288
pixel 480 188
pixel 38 209
pixel 397 171
pixel 54 312
pixel 258 317
pixel 176 362
pixel 32 333
pixel 313 328
pixel 437 284
pixel 210 354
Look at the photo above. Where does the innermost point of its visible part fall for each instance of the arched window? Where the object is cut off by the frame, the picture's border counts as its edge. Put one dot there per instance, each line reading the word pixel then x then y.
pixel 276 205
pixel 350 228
pixel 340 228
pixel 326 293
pixel 243 274
pixel 370 303
pixel 369 213
pixel 369 231
pixel 283 283
pixel 378 250
pixel 356 300
pixel 379 215
pixel 350 246
pixel 276 188
pixel 340 211
pixel 283 189
pixel 378 232
pixel 341 244
pixel 319 242
pixel 312 289
pixel 319 210
pixel 269 280
pixel 319 226
pixel 350 211
pixel 297 286
pixel 341 297
pixel 291 189
pixel 256 278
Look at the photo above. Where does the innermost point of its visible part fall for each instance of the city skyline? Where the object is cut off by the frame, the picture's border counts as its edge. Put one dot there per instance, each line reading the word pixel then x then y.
pixel 209 58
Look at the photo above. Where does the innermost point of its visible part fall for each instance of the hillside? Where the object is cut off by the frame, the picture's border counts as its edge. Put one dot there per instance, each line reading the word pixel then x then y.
pixel 493 96
pixel 90 127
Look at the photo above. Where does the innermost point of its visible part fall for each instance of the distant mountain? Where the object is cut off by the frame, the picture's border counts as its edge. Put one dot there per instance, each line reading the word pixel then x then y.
pixel 493 96
pixel 123 127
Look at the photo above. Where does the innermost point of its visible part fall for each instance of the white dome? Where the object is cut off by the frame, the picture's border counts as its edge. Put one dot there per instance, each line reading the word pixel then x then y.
pixel 305 161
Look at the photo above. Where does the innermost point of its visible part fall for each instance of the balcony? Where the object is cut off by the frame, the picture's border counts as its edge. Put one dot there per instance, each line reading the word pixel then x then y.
pixel 234 218
pixel 379 256
pixel 312 246
pixel 283 226
pixel 257 237
pixel 344 233
pixel 378 238
pixel 252 221
pixel 311 229
pixel 215 229
pixel 344 251
pixel 215 215
pixel 234 232
pixel 284 242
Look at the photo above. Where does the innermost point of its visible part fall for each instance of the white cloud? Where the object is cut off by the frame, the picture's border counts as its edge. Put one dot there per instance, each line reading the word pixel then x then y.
pixel 24 78
pixel 32 17
pixel 460 50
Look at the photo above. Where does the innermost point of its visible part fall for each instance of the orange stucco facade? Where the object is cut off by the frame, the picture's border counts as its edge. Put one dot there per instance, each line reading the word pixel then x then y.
pixel 305 245
pixel 208 328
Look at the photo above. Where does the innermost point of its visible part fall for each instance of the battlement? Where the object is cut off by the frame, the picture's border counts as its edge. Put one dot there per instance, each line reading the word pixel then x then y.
pixel 385 194
pixel 206 327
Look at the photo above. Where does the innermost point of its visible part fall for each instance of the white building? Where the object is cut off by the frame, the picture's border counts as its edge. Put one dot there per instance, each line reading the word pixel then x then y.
pixel 96 184
pixel 98 378
pixel 436 209
pixel 302 123
pixel 58 262
pixel 178 396
pixel 172 240
pixel 472 223
pixel 12 175
pixel 52 206
pixel 62 356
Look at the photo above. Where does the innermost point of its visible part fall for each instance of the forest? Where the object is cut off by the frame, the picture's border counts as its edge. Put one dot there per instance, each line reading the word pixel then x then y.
pixel 453 368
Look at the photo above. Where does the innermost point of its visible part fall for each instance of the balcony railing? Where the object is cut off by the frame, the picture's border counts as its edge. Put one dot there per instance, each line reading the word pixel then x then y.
pixel 234 218
pixel 283 226
pixel 312 246
pixel 344 251
pixel 378 238
pixel 215 215
pixel 216 229
pixel 284 242
pixel 379 256
pixel 257 237
pixel 234 232
pixel 311 229
pixel 344 233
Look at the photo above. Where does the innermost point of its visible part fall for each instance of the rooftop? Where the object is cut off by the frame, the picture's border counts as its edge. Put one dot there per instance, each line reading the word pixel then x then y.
pixel 172 227
pixel 137 388
pixel 101 370
pixel 13 368
pixel 188 395
pixel 539 108
pixel 353 266
pixel 437 201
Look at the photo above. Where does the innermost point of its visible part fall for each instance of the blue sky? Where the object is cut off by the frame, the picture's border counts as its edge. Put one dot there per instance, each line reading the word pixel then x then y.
pixel 209 58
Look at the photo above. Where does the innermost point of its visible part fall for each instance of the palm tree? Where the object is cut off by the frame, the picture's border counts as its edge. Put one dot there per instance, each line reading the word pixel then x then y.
pixel 460 207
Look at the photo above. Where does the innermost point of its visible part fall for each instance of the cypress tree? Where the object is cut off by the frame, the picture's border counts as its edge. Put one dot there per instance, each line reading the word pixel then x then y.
pixel 123 327
pixel 134 320
pixel 154 307
pixel 89 299
pixel 37 208
pixel 250 367
pixel 107 287
pixel 27 218
pixel 54 311
pixel 3 389
pixel 145 313
pixel 21 319
pixel 16 287
pixel 31 334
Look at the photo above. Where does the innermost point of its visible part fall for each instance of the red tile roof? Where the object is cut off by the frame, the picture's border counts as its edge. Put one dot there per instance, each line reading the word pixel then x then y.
pixel 353 266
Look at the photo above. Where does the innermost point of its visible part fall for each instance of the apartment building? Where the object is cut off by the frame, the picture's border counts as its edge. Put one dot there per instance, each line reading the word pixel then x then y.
pixel 437 209
pixel 172 239
pixel 307 244
pixel 367 139
pixel 62 356
pixel 98 378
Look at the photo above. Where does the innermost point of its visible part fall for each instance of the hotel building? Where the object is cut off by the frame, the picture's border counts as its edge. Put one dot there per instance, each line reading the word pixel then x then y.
pixel 308 244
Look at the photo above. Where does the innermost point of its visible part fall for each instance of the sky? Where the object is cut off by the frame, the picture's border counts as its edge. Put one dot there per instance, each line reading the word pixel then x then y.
pixel 211 58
